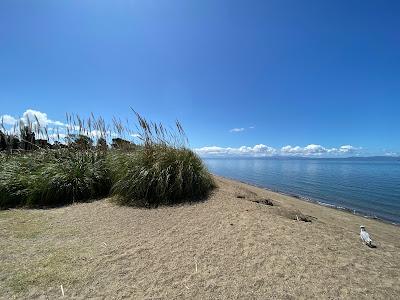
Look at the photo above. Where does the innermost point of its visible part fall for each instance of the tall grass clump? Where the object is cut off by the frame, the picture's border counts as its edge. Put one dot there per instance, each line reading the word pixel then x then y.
pixel 96 160
pixel 52 178
pixel 35 173
pixel 13 180
pixel 72 176
pixel 161 171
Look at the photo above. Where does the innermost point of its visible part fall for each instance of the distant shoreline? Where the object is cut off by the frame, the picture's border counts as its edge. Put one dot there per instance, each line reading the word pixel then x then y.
pixel 277 157
pixel 314 201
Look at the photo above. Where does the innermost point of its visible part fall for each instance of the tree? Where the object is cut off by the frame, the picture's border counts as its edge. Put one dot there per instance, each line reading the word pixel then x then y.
pixel 102 144
pixel 3 141
pixel 119 143
pixel 80 141
pixel 13 141
pixel 27 138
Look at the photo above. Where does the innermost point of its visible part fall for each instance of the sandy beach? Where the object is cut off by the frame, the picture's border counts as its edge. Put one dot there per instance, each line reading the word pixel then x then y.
pixel 231 246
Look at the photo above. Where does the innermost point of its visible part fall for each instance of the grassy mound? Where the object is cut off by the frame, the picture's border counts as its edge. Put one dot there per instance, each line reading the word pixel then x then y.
pixel 159 175
pixel 52 178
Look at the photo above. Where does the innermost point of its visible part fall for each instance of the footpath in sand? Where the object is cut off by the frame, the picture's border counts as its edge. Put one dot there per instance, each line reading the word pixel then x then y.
pixel 228 247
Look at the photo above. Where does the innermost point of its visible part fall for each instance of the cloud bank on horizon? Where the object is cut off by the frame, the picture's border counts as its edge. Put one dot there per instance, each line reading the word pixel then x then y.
pixel 262 150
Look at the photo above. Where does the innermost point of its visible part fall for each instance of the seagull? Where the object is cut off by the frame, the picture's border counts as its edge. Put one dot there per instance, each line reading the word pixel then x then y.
pixel 365 236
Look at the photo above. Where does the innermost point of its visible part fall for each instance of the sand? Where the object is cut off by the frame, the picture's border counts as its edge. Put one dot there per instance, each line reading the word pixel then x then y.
pixel 223 248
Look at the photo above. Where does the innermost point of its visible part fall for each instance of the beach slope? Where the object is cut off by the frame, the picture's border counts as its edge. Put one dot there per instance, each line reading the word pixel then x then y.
pixel 233 245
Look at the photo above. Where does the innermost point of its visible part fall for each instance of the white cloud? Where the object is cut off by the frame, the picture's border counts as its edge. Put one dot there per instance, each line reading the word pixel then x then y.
pixel 257 150
pixel 291 150
pixel 35 115
pixel 57 123
pixel 37 119
pixel 392 154
pixel 241 129
pixel 31 115
pixel 73 127
pixel 136 135
pixel 236 130
pixel 316 150
pixel 263 150
pixel 348 149
pixel 7 120
pixel 212 150
pixel 311 149
pixel 98 134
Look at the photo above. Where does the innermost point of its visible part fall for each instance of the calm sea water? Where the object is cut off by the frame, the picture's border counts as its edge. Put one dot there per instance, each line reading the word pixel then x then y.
pixel 369 188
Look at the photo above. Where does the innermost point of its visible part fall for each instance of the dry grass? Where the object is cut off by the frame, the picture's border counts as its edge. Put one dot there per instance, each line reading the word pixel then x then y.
pixel 224 248
pixel 31 258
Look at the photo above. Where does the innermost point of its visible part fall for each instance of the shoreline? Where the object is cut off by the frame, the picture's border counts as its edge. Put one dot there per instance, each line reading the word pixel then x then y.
pixel 234 245
pixel 319 203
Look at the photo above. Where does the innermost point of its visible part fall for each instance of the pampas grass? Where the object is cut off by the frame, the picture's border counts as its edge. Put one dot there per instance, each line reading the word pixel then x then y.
pixel 52 178
pixel 160 169
pixel 159 175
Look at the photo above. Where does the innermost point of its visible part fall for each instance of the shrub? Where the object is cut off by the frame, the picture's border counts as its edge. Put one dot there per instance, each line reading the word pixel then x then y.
pixel 52 178
pixel 13 181
pixel 73 176
pixel 159 175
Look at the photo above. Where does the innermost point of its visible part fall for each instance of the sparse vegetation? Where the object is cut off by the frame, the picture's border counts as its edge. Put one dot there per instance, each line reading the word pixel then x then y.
pixel 159 169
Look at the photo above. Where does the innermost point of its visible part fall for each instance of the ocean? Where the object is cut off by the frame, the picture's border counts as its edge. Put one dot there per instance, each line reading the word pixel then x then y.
pixel 369 187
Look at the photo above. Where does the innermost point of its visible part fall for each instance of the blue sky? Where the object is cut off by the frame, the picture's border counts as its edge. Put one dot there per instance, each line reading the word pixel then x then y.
pixel 298 73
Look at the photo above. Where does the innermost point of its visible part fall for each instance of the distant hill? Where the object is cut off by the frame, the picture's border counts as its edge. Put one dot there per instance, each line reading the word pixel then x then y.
pixel 380 158
pixel 352 158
